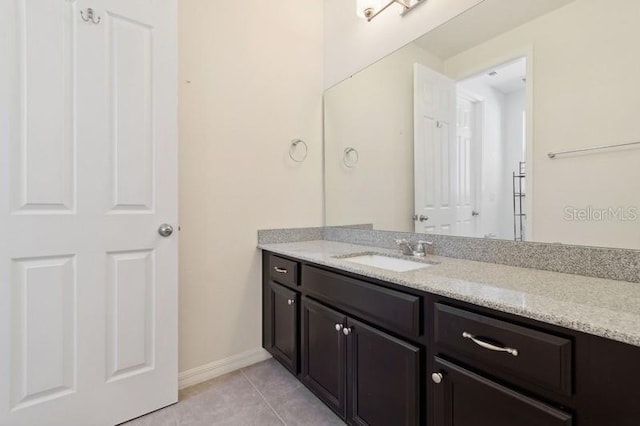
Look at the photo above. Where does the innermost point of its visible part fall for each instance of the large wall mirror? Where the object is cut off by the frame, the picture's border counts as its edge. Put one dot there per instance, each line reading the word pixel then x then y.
pixel 471 129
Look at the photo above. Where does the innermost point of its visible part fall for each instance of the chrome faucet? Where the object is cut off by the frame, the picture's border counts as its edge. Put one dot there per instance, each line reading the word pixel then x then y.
pixel 407 249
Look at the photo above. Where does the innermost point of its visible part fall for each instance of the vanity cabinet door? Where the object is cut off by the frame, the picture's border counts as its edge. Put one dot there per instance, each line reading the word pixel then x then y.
pixel 383 378
pixel 324 354
pixel 282 338
pixel 463 398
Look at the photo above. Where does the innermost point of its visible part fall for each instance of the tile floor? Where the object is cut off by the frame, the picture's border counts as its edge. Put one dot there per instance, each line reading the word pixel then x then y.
pixel 262 394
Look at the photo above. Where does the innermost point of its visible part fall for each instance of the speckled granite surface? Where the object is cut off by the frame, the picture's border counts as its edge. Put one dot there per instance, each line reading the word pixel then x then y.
pixel 275 236
pixel 291 235
pixel 596 306
pixel 610 263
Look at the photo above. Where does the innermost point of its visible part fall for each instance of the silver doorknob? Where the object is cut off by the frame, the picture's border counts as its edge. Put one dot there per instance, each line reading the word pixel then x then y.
pixel 423 218
pixel 346 331
pixel 339 327
pixel 165 230
pixel 437 378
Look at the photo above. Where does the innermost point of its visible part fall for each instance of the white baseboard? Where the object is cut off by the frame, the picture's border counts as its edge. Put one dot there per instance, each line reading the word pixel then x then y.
pixel 223 366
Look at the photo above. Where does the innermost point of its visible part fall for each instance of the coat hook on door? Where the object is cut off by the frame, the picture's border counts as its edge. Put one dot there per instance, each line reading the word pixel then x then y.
pixel 90 16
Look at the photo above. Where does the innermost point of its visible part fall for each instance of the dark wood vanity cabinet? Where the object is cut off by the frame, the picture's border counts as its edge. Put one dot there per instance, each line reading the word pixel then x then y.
pixel 379 354
pixel 365 375
pixel 463 398
pixel 351 351
pixel 284 271
pixel 383 377
pixel 557 376
pixel 528 357
pixel 323 354
pixel 280 310
pixel 283 333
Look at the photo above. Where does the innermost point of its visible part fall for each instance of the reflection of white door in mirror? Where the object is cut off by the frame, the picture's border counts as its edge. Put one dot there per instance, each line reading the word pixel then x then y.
pixel 468 166
pixel 434 147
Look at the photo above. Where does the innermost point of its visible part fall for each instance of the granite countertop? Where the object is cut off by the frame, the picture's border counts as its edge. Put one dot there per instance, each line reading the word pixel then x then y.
pixel 601 307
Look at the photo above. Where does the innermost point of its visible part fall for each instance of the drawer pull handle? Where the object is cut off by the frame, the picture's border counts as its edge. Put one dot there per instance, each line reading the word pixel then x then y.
pixel 489 346
pixel 279 270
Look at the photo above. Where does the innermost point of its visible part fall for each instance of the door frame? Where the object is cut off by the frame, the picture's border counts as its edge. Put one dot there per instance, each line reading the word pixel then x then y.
pixel 526 52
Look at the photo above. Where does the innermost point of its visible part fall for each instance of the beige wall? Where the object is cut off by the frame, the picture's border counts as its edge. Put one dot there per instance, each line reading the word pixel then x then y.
pixel 351 43
pixel 585 93
pixel 250 81
pixel 373 112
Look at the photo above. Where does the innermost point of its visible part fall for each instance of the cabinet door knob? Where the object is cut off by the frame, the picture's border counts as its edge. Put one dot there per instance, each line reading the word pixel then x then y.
pixel 346 331
pixel 437 378
pixel 339 327
pixel 291 301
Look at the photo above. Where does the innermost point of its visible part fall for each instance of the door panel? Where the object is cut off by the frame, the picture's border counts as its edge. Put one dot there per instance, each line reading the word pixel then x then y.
pixel 384 378
pixel 464 398
pixel 43 359
pixel 130 87
pixel 130 299
pixel 324 354
pixel 43 145
pixel 283 334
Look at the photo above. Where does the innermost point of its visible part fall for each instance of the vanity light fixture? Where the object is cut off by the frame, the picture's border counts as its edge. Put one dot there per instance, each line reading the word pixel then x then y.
pixel 369 9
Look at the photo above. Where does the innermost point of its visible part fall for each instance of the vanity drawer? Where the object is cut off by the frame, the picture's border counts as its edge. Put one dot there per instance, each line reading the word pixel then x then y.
pixel 388 308
pixel 283 271
pixel 506 350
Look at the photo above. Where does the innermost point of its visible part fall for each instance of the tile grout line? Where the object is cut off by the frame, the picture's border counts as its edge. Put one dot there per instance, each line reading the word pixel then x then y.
pixel 263 398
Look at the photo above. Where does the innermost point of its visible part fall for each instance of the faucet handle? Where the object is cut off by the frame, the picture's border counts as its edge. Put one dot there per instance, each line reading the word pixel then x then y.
pixel 405 247
pixel 421 248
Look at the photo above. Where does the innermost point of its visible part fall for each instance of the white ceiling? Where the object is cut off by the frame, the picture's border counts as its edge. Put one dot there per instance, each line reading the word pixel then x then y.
pixel 483 22
pixel 508 78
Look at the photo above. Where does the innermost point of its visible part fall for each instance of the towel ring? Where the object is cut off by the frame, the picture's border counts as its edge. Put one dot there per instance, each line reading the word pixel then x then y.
pixel 347 159
pixel 293 148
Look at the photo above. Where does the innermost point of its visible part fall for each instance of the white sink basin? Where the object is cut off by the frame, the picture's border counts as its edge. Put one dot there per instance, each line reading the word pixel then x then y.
pixel 386 262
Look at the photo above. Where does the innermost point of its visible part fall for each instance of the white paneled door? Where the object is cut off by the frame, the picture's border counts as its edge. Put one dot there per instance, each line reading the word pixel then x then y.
pixel 435 152
pixel 468 167
pixel 88 173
